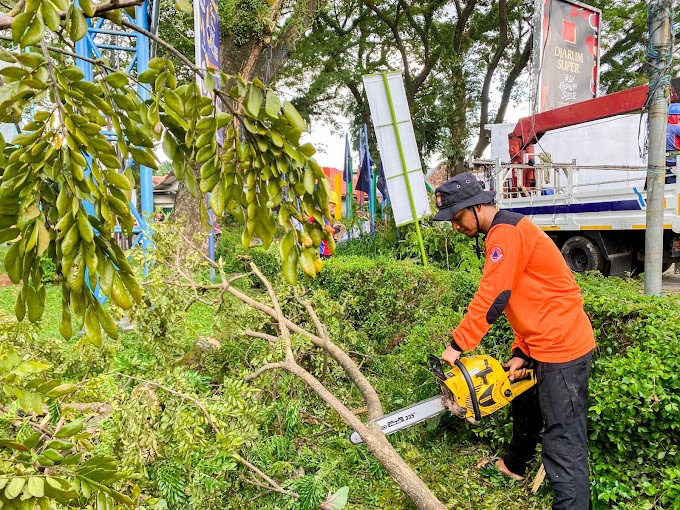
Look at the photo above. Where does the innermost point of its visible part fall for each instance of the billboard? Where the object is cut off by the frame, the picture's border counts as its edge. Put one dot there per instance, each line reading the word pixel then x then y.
pixel 207 33
pixel 207 30
pixel 397 145
pixel 568 62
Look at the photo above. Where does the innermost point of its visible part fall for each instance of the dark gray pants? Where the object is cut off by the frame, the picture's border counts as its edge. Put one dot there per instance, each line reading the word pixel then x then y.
pixel 560 403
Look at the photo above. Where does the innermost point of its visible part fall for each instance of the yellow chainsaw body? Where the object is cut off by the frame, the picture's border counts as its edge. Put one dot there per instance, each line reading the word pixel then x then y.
pixel 484 381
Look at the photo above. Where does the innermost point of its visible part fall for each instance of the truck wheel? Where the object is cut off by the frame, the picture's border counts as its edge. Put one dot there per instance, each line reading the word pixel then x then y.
pixel 582 254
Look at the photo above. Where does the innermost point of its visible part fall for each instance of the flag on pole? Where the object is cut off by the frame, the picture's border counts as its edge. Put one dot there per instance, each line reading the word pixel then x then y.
pixel 365 178
pixel 347 176
pixel 382 182
pixel 347 170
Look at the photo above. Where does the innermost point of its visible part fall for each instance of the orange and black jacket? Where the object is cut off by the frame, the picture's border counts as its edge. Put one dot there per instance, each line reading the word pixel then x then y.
pixel 526 277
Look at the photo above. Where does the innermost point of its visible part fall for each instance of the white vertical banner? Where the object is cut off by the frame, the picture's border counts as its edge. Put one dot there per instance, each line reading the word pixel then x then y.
pixel 397 145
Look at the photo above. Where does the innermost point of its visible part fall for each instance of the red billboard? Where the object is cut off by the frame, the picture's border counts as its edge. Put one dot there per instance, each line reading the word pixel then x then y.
pixel 568 63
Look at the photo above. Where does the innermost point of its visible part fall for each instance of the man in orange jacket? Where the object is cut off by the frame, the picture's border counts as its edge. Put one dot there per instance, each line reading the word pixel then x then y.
pixel 526 278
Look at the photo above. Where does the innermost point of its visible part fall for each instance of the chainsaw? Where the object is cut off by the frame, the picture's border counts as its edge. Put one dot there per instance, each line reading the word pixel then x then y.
pixel 475 387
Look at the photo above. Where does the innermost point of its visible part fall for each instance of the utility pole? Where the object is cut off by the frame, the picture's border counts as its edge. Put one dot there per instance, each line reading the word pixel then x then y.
pixel 659 59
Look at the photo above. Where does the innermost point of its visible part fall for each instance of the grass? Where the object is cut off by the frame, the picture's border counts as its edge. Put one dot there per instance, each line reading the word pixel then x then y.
pixel 49 323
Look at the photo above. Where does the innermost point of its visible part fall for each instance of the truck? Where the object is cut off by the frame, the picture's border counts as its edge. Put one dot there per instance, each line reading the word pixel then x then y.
pixel 592 204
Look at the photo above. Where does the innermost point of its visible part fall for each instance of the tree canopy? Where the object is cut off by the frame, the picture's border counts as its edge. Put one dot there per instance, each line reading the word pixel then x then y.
pixel 464 63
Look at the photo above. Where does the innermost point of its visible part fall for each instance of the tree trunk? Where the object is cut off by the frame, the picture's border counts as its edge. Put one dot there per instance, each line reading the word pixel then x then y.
pixel 185 212
pixel 374 438
pixel 409 481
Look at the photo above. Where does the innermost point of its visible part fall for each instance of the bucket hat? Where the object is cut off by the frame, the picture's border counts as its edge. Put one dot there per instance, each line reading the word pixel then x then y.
pixel 459 192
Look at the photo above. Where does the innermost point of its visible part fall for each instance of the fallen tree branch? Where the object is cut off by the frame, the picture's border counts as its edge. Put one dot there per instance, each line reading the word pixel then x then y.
pixel 273 489
pixel 375 409
pixel 371 433
pixel 285 333
pixel 274 486
pixel 374 438
pixel 266 368
pixel 264 336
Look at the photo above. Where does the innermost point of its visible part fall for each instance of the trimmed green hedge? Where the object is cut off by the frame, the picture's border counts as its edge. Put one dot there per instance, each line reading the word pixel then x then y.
pixel 407 311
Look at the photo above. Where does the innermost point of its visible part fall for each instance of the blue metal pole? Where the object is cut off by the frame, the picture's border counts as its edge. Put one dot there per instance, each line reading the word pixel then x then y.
pixel 146 176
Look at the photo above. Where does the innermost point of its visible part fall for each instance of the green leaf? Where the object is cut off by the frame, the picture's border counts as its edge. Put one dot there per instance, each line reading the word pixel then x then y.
pixel 12 263
pixel 217 200
pixel 117 79
pixel 183 6
pixel 53 455
pixel 61 390
pixel 70 429
pixel 14 445
pixel 272 104
pixel 8 234
pixel 337 501
pixel 309 180
pixel 209 81
pixel 124 102
pixel 290 269
pixel 287 244
pixel 35 32
pixel 59 445
pixel 149 76
pixel 293 117
pixel 307 149
pixel 169 145
pixel 87 7
pixel 92 330
pixel 143 157
pixel 36 484
pixel 14 487
pixel 19 25
pixel 78 25
pixel 173 101
pixel 191 182
pixel 254 102
pixel 32 440
pixel 119 293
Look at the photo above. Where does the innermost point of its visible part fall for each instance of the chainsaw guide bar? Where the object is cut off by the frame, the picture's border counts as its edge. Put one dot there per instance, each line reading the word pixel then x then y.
pixel 475 387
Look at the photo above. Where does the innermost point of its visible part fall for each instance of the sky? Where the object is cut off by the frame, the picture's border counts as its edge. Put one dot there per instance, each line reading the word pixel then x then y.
pixel 330 147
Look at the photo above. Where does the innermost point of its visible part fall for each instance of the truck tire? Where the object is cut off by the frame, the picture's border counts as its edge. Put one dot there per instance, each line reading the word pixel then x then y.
pixel 582 254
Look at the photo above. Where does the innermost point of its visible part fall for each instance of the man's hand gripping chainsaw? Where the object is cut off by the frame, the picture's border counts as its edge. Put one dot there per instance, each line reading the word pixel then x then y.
pixel 476 386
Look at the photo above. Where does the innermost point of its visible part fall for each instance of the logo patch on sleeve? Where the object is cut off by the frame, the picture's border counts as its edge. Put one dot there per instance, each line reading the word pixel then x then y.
pixel 496 254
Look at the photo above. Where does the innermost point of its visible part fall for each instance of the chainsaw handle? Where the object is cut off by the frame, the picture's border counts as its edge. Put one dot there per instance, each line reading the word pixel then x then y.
pixel 528 376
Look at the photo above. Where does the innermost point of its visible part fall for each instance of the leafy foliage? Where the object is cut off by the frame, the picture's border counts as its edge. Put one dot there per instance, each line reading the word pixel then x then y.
pixel 243 19
pixel 44 458
pixel 64 187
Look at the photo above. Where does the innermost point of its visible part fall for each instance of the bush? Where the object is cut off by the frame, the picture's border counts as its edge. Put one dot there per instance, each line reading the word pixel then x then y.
pixel 443 247
pixel 49 270
pixel 383 296
pixel 634 427
pixel 635 395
